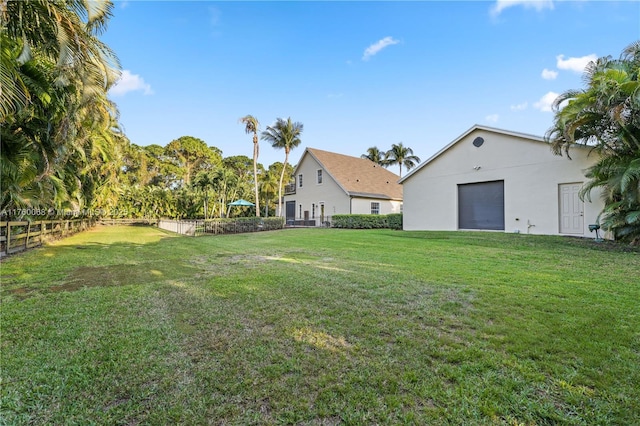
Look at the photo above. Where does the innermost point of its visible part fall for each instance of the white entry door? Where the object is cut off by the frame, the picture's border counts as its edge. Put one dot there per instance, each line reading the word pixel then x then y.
pixel 571 209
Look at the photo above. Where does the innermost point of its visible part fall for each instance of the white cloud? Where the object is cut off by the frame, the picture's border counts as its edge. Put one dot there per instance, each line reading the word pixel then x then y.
pixel 493 118
pixel 378 46
pixel 519 107
pixel 549 74
pixel 130 83
pixel 538 5
pixel 575 64
pixel 545 102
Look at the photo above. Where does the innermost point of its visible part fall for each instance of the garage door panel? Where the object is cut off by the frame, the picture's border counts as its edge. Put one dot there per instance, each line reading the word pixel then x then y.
pixel 481 205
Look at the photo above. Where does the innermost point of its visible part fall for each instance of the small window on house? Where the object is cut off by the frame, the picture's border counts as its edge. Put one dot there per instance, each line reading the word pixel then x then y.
pixel 313 211
pixel 375 208
pixel 300 215
pixel 319 177
pixel 300 181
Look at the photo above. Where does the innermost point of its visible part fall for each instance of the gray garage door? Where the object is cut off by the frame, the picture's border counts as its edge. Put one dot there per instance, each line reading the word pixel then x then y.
pixel 481 205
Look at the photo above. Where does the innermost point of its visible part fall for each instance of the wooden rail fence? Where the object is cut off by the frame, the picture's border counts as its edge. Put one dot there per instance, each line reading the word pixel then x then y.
pixel 16 236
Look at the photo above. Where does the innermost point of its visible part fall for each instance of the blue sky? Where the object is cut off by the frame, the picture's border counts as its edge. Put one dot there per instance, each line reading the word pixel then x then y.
pixel 356 74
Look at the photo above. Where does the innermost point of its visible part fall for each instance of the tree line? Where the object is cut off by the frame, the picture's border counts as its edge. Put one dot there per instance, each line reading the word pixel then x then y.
pixel 62 149
pixel 187 179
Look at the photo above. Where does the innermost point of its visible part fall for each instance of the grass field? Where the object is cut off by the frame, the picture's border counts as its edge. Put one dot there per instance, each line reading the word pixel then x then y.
pixel 136 326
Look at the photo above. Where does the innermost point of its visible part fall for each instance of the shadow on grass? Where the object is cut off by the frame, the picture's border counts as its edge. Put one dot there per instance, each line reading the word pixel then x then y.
pixel 498 238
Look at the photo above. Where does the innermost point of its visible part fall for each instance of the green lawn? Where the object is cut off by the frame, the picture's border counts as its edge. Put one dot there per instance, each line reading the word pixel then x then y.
pixel 132 325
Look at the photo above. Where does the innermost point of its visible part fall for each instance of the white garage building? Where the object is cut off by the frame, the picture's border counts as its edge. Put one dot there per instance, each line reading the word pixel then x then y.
pixel 492 179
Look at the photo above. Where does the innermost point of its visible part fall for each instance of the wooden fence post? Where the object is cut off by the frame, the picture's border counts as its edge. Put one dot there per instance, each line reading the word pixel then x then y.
pixel 8 237
pixel 26 240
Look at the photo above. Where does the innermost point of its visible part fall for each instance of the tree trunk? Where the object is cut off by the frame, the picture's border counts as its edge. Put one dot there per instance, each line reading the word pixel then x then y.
pixel 284 166
pixel 255 172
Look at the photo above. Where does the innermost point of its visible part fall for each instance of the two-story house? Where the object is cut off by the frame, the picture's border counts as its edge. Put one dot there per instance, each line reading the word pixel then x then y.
pixel 327 183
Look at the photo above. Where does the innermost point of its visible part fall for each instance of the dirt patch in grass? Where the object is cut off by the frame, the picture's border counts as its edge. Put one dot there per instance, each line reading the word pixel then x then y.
pixel 110 276
pixel 114 275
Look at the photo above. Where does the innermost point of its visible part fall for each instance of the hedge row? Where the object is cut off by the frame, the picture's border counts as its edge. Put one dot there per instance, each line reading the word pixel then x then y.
pixel 367 221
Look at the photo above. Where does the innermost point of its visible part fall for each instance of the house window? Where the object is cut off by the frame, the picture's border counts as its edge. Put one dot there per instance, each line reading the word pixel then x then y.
pixel 300 181
pixel 300 215
pixel 375 208
pixel 313 211
pixel 319 177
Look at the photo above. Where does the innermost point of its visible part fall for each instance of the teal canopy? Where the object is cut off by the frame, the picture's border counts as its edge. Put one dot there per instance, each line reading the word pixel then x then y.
pixel 241 202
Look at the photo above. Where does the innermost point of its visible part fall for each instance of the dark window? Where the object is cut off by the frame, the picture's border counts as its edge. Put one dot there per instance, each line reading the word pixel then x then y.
pixel 319 176
pixel 300 180
pixel 375 208
pixel 477 142
pixel 481 205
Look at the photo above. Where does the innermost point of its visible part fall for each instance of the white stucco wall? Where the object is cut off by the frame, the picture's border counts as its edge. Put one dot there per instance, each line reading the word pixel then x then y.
pixel 531 174
pixel 328 192
pixel 363 206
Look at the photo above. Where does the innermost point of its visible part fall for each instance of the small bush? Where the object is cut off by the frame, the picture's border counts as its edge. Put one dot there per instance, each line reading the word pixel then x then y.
pixel 395 220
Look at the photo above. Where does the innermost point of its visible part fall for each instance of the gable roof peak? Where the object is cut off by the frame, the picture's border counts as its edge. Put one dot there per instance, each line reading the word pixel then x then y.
pixel 357 176
pixel 474 128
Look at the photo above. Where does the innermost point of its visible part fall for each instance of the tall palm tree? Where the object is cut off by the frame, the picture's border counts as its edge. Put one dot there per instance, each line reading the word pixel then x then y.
pixel 284 134
pixel 403 156
pixel 374 154
pixel 251 126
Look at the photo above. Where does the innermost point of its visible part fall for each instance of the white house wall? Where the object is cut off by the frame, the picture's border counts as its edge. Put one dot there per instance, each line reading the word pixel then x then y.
pixel 334 198
pixel 531 175
pixel 363 206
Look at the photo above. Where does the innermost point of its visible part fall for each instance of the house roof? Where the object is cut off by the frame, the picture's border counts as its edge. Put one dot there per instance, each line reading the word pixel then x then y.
pixel 465 134
pixel 358 177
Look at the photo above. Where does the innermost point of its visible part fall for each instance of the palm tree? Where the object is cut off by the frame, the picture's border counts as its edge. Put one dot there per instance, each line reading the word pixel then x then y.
pixel 268 188
pixel 374 154
pixel 60 143
pixel 284 134
pixel 251 126
pixel 606 116
pixel 403 156
pixel 63 32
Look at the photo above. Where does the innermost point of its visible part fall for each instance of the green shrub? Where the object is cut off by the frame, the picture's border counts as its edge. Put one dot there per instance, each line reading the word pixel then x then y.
pixel 395 220
pixel 367 221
